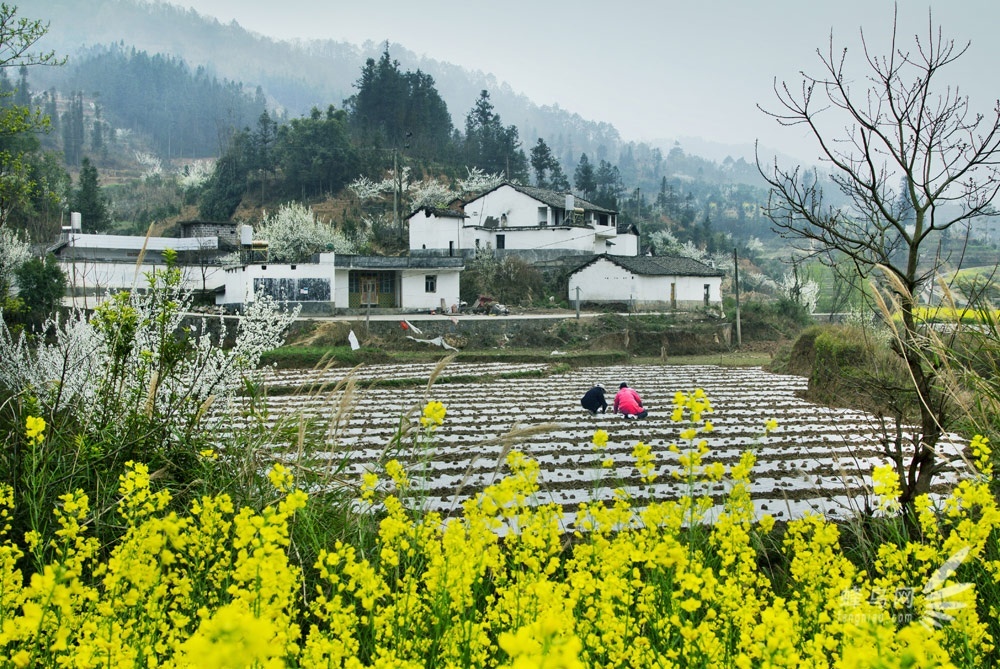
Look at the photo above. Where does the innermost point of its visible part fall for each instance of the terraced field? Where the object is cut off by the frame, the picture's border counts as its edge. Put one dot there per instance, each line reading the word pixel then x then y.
pixel 818 459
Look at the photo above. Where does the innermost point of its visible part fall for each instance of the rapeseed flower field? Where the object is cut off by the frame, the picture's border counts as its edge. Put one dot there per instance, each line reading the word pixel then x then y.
pixel 216 584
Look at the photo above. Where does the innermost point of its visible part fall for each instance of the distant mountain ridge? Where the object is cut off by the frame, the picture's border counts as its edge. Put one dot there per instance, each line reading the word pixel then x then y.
pixel 297 75
pixel 300 74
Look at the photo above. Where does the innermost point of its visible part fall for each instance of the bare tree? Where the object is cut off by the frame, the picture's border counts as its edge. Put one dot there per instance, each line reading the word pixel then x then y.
pixel 912 160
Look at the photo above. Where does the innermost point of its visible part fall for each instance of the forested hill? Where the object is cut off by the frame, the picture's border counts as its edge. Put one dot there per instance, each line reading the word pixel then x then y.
pixel 297 76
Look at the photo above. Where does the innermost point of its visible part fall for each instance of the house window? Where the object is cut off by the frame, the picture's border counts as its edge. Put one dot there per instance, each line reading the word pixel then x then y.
pixel 451 248
pixel 501 241
pixel 430 283
pixel 708 292
pixel 543 216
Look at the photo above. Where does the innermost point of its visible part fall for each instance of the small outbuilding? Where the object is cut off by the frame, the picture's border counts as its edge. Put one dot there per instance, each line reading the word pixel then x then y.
pixel 647 283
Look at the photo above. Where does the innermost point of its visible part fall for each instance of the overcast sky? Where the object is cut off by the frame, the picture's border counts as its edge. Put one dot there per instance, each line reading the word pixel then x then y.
pixel 661 69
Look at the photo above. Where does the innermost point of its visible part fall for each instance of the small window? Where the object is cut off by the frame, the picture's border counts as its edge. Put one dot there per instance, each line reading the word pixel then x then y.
pixel 708 292
pixel 451 248
pixel 430 283
pixel 501 241
pixel 543 216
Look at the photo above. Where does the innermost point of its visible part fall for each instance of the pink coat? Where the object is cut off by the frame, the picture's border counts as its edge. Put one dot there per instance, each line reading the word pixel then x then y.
pixel 628 401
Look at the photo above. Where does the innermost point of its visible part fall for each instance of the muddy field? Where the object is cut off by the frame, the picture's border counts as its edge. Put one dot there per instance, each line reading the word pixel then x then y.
pixel 818 459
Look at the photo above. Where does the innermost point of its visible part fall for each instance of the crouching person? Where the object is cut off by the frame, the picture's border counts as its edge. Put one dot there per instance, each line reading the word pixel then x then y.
pixel 593 400
pixel 628 403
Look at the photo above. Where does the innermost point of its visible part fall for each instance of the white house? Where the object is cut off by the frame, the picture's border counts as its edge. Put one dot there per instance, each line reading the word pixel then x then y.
pixel 95 263
pixel 348 282
pixel 647 282
pixel 532 223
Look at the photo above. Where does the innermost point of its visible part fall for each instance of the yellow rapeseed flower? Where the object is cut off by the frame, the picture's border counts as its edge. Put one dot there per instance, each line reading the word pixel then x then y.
pixel 34 429
pixel 433 415
pixel 980 447
pixel 600 439
pixel 885 483
pixel 281 477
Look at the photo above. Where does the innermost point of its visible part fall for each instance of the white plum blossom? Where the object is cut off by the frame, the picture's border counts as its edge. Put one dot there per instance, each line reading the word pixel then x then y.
pixel 805 293
pixel 14 251
pixel 195 174
pixel 479 181
pixel 294 234
pixel 365 189
pixel 152 166
pixel 430 194
pixel 123 361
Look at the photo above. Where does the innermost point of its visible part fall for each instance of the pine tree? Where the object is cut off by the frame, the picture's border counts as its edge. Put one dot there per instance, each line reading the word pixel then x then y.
pixel 89 200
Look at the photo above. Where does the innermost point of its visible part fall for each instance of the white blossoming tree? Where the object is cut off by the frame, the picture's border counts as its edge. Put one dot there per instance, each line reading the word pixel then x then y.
pixel 294 234
pixel 134 381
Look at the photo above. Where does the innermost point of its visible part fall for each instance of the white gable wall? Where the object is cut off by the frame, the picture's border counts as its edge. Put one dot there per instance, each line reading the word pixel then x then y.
pixel 520 209
pixel 416 296
pixel 437 232
pixel 604 281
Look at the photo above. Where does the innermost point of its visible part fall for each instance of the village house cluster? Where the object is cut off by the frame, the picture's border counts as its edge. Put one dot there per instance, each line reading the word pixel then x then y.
pixel 549 229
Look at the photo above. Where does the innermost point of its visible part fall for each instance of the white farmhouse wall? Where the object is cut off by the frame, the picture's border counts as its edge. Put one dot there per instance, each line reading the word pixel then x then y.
pixel 437 232
pixel 302 282
pixel 519 209
pixel 604 281
pixel 414 289
pixel 96 277
pixel 621 245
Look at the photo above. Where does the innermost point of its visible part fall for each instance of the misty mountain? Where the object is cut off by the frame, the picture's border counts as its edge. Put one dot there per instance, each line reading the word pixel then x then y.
pixel 298 75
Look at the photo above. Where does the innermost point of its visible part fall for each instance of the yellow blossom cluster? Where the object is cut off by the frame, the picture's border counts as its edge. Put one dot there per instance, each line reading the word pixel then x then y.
pixel 501 585
pixel 34 430
pixel 433 415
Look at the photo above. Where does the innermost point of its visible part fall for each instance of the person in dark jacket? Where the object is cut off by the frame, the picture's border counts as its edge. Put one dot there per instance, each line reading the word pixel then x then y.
pixel 593 400
pixel 628 402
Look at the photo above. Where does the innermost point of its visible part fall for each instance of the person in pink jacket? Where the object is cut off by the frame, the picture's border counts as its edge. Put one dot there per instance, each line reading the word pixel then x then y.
pixel 628 402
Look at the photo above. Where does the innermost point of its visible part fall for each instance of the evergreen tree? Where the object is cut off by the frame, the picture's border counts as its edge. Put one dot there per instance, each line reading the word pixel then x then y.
pixel 89 200
pixel 41 285
pixel 226 186
pixel 72 127
pixel 315 153
pixel 399 110
pixel 548 171
pixel 489 145
pixel 609 185
pixel 584 177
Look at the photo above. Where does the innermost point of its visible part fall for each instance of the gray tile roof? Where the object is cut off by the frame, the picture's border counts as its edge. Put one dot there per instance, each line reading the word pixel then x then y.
pixel 440 212
pixel 343 261
pixel 557 200
pixel 657 265
pixel 552 198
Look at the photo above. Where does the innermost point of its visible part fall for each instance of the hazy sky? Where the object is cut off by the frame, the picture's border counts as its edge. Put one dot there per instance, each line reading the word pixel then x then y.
pixel 660 69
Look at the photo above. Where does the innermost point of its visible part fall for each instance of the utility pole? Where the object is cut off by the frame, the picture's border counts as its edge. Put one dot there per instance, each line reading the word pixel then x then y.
pixel 736 285
pixel 395 194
